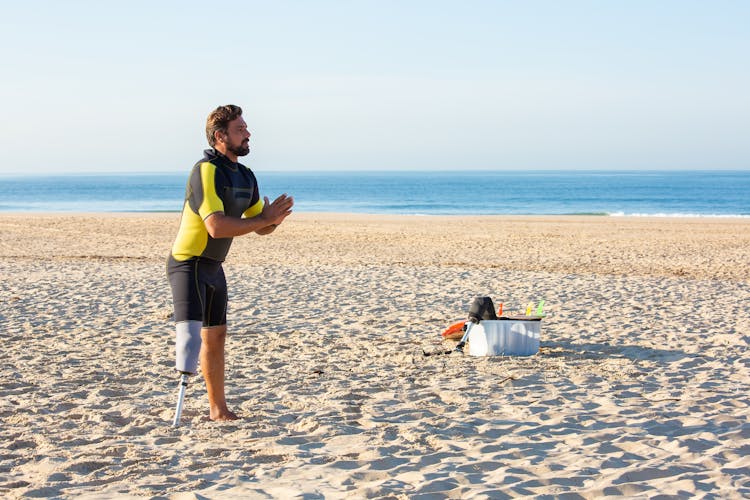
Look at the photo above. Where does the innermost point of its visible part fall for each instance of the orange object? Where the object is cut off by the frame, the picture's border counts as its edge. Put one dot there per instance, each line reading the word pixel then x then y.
pixel 455 331
pixel 500 310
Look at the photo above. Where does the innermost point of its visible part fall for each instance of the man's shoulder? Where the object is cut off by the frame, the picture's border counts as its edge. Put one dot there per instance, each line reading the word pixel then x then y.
pixel 201 165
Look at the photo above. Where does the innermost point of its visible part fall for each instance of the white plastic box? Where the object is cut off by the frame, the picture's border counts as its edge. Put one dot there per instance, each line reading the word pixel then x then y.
pixel 505 337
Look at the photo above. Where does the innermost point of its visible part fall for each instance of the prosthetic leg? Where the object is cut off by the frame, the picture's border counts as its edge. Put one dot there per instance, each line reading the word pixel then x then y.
pixel 188 347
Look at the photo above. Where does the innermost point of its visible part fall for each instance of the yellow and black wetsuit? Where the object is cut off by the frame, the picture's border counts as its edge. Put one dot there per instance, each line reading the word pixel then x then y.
pixel 216 184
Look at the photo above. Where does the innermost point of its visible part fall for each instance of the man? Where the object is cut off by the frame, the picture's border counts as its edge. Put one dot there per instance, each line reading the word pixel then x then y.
pixel 221 201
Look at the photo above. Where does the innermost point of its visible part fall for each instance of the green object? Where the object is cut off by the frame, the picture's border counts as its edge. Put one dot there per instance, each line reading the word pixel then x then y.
pixel 540 309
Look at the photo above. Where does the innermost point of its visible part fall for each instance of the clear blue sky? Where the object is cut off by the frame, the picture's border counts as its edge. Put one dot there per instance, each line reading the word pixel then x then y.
pixel 98 86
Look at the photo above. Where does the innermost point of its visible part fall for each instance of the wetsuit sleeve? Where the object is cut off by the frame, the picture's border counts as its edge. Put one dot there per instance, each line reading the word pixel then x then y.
pixel 256 204
pixel 206 185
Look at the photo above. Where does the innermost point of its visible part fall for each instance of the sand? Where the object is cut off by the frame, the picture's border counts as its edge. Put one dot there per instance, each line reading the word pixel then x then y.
pixel 640 387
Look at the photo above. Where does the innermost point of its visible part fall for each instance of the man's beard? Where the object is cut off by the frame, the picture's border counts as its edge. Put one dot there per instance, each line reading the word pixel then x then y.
pixel 242 150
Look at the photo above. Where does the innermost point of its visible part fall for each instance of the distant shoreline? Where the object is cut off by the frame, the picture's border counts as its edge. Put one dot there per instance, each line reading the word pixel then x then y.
pixel 376 214
pixel 580 193
pixel 582 171
pixel 386 216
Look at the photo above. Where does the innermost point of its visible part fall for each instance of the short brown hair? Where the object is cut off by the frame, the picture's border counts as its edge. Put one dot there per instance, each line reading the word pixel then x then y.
pixel 219 120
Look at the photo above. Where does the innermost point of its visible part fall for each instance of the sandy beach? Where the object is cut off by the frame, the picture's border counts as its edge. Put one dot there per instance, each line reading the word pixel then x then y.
pixel 641 386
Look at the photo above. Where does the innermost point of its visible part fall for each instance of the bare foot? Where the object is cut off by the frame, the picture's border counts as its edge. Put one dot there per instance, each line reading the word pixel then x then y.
pixel 220 415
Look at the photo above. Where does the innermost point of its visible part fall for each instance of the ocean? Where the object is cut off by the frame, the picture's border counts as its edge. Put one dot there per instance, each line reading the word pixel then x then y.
pixel 652 193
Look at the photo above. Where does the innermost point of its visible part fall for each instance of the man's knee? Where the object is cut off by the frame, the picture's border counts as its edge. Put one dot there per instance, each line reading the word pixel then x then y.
pixel 214 335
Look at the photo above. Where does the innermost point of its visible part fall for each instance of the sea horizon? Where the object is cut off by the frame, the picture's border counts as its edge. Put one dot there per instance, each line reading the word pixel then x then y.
pixel 653 193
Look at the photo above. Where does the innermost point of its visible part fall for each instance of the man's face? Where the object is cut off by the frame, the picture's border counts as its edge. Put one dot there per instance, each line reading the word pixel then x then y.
pixel 237 139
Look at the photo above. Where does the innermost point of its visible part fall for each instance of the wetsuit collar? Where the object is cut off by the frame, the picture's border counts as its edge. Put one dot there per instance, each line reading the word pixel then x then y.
pixel 215 157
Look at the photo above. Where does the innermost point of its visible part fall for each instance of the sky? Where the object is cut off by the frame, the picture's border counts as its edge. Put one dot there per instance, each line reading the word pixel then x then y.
pixel 98 86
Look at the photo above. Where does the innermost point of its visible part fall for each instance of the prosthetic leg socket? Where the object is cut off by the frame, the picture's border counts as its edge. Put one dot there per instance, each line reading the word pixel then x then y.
pixel 188 345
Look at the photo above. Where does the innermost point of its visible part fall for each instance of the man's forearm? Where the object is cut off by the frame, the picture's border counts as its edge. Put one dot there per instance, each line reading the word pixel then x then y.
pixel 220 225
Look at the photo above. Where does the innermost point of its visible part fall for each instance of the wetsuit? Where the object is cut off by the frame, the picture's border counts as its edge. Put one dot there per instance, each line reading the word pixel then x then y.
pixel 199 289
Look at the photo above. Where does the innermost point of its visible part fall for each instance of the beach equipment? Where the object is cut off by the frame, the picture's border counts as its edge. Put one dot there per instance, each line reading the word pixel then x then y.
pixel 540 309
pixel 508 336
pixel 488 334
pixel 455 331
pixel 481 308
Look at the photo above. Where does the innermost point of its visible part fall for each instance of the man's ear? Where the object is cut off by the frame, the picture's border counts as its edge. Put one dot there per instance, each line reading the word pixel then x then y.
pixel 219 136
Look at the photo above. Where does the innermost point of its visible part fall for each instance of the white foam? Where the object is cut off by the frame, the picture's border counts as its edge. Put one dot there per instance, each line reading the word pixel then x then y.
pixel 679 215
